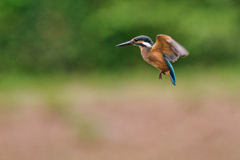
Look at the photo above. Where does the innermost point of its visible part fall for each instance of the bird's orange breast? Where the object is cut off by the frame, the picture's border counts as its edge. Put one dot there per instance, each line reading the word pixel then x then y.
pixel 156 59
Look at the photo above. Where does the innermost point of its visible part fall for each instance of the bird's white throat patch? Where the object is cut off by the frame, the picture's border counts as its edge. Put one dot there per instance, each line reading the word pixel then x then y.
pixel 147 44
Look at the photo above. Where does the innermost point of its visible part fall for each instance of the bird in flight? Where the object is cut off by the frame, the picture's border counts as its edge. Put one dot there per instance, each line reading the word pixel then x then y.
pixel 159 54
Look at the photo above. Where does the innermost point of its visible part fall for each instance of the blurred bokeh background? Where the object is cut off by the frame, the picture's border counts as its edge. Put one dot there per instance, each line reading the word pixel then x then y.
pixel 66 91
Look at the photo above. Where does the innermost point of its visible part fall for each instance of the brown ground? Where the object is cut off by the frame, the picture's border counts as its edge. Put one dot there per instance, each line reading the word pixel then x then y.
pixel 121 124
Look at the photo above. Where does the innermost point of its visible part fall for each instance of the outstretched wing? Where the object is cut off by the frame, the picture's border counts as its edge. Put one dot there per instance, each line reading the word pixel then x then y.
pixel 169 47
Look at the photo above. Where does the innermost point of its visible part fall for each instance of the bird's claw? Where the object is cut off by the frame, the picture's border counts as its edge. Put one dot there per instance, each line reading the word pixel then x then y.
pixel 160 75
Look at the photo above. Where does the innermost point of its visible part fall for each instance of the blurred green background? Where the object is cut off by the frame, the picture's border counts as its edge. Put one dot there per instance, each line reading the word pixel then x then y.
pixel 77 36
pixel 66 91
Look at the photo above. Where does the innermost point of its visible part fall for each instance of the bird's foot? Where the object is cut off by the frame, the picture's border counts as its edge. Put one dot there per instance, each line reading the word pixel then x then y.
pixel 160 75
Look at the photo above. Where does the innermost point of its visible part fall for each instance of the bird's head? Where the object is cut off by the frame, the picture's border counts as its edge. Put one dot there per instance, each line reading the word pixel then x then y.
pixel 141 41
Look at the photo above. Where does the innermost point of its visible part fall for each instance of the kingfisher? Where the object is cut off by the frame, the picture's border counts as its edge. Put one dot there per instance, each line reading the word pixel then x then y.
pixel 159 54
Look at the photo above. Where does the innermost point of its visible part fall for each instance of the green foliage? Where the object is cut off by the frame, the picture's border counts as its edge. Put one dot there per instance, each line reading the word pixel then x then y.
pixel 80 35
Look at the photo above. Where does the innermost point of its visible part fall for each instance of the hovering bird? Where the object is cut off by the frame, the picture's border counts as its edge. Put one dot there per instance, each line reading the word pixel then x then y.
pixel 159 54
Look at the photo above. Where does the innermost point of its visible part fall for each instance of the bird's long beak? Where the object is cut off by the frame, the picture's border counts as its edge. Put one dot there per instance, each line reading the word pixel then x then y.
pixel 125 43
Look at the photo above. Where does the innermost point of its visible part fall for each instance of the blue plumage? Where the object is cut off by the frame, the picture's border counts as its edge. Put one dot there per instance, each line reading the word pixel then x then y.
pixel 172 74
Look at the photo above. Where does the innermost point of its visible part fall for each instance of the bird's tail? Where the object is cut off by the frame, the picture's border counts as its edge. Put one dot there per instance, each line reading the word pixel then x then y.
pixel 170 73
